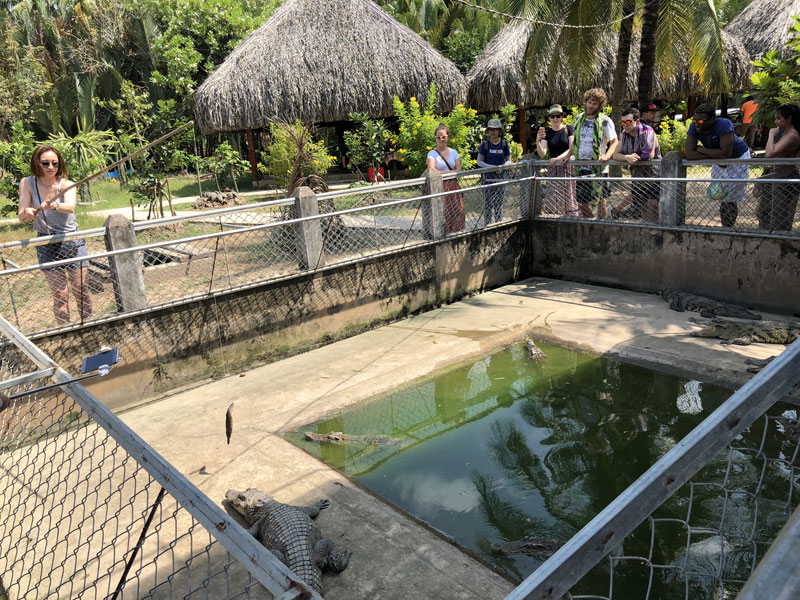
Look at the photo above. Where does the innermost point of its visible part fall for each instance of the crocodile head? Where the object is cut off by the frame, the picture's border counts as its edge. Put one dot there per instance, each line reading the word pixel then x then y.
pixel 712 331
pixel 533 546
pixel 249 502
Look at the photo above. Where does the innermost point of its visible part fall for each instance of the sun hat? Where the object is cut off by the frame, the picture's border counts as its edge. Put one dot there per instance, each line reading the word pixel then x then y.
pixel 556 108
pixel 494 124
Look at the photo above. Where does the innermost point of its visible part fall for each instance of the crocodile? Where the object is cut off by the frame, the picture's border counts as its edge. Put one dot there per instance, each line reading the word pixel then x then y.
pixel 757 364
pixel 742 333
pixel 289 533
pixel 707 307
pixel 337 437
pixel 531 545
pixel 534 351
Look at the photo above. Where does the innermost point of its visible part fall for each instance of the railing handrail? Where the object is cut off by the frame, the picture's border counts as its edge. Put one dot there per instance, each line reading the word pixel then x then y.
pixel 252 228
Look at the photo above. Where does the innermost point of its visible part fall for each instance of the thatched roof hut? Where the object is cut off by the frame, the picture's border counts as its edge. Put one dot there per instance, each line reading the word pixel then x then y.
pixel 498 78
pixel 318 62
pixel 764 25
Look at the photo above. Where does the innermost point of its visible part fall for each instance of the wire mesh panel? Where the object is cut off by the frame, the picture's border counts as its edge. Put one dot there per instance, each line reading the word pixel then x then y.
pixel 83 518
pixel 484 197
pixel 724 491
pixel 236 248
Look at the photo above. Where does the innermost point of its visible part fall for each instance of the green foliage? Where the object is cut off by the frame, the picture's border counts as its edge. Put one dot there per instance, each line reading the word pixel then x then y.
pixel 777 81
pixel 417 126
pixel 15 156
pixel 196 35
pixel 673 135
pixel 294 156
pixel 226 163
pixel 464 47
pixel 367 144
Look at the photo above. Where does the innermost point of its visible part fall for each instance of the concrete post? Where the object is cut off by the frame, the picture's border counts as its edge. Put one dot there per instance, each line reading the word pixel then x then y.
pixel 433 225
pixel 528 191
pixel 126 269
pixel 672 205
pixel 308 234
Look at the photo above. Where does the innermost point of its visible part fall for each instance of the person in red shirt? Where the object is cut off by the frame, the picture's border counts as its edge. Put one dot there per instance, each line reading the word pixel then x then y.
pixel 749 130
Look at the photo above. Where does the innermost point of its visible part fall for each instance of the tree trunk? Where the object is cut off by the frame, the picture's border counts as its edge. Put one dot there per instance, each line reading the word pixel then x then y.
pixel 647 51
pixel 620 85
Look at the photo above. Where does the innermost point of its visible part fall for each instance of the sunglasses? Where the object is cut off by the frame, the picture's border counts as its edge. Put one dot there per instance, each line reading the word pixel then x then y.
pixel 556 116
pixel 441 137
pixel 626 122
pixel 701 121
pixel 48 163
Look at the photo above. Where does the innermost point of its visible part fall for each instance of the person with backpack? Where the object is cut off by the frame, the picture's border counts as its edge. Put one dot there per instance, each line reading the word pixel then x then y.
pixel 446 160
pixel 494 152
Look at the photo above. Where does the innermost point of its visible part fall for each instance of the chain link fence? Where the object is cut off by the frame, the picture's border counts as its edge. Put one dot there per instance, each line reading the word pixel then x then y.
pixel 757 196
pixel 725 493
pixel 89 510
pixel 47 284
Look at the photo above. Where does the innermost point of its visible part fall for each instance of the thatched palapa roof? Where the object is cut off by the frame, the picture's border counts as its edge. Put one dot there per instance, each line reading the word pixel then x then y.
pixel 764 25
pixel 319 60
pixel 498 76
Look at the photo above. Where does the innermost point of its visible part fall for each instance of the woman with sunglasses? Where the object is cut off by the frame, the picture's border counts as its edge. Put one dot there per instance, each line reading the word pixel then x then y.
pixel 446 159
pixel 43 202
pixel 557 142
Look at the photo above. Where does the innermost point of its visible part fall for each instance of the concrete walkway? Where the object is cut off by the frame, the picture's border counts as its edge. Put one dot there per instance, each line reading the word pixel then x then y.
pixel 394 557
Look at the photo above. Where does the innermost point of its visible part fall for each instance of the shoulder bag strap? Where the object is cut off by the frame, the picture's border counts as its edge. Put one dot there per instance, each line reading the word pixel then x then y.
pixel 449 168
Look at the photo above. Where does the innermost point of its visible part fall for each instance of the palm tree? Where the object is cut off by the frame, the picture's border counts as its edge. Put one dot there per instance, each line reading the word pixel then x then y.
pixel 684 28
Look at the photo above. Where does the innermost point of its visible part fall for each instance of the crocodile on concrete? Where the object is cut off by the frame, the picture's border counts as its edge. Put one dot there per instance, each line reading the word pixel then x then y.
pixel 707 307
pixel 531 545
pixel 337 437
pixel 289 533
pixel 744 333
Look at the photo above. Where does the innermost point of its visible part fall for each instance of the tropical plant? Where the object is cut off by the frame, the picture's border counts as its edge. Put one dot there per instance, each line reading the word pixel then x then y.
pixel 85 152
pixel 226 162
pixel 686 31
pixel 293 158
pixel 15 156
pixel 366 145
pixel 673 135
pixel 417 125
pixel 777 80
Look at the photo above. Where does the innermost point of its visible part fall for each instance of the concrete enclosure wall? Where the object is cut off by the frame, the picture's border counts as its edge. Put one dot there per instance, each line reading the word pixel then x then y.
pixel 759 272
pixel 168 348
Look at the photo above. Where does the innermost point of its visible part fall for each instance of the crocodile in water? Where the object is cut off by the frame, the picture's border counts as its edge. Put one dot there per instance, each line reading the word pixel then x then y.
pixel 534 351
pixel 681 301
pixel 288 532
pixel 531 545
pixel 337 437
pixel 744 333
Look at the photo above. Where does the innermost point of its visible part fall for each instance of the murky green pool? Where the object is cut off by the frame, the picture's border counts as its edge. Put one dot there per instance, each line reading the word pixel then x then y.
pixel 505 447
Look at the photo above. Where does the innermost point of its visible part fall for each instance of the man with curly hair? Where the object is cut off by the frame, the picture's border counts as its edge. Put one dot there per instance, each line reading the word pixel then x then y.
pixel 595 139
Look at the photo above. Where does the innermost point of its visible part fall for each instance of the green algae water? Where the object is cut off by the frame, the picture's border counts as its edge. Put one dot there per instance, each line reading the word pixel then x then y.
pixel 504 447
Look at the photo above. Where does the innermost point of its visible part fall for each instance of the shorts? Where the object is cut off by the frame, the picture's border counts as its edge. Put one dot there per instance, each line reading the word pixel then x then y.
pixel 63 250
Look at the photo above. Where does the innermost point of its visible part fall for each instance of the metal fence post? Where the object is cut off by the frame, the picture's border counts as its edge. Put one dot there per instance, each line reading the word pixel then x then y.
pixel 672 205
pixel 126 269
pixel 433 226
pixel 308 234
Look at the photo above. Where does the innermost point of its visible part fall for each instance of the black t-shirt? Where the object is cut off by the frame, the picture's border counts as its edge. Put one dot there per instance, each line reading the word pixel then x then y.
pixel 558 141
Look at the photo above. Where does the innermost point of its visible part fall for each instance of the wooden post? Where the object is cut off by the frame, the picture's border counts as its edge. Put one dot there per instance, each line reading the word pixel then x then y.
pixel 523 130
pixel 251 150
